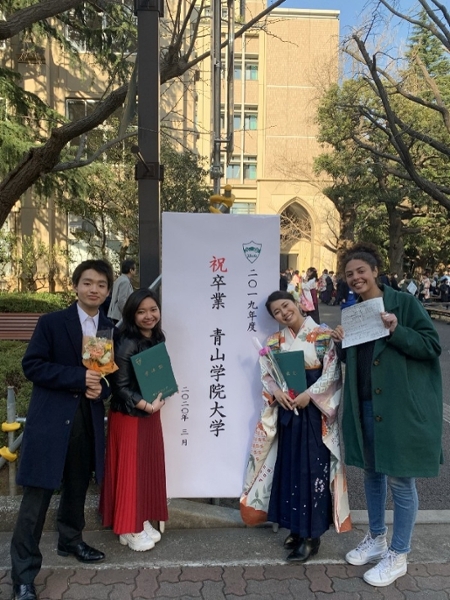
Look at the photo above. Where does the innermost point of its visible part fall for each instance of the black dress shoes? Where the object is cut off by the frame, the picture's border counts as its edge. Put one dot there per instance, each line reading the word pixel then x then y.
pixel 308 547
pixel 292 541
pixel 82 552
pixel 24 591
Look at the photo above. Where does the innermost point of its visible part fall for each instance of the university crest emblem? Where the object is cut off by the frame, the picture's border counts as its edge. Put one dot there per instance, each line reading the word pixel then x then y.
pixel 252 250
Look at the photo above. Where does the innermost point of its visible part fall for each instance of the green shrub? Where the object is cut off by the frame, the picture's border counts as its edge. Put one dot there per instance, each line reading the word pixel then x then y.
pixel 34 302
pixel 11 374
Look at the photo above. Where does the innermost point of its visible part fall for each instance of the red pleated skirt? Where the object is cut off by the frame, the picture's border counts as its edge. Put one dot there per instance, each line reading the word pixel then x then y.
pixel 134 486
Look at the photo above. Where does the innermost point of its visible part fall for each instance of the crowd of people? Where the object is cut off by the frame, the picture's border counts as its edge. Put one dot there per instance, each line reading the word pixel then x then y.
pixel 391 424
pixel 333 289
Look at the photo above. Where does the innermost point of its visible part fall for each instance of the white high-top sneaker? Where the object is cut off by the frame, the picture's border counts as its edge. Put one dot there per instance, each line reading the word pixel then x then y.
pixel 369 550
pixel 392 566
pixel 151 531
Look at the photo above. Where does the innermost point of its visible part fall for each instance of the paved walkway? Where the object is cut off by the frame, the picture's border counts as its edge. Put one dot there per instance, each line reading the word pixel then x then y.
pixel 231 563
pixel 313 581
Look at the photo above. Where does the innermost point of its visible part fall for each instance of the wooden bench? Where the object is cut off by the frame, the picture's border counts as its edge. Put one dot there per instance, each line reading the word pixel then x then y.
pixel 18 326
pixel 438 310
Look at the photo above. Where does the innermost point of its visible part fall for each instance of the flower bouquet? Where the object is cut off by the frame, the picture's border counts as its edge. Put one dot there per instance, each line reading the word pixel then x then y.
pixel 98 353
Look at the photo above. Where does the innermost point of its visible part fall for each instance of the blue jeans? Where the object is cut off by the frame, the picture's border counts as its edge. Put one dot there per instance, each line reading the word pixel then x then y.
pixel 403 490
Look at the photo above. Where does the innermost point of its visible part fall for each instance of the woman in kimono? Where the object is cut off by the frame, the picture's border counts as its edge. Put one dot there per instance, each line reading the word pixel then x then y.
pixel 309 301
pixel 300 435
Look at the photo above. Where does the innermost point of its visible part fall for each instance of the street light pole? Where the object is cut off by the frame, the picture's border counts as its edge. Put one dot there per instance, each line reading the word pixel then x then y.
pixel 148 169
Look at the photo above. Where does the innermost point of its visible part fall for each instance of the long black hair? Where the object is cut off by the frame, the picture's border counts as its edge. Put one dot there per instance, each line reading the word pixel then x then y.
pixel 128 326
pixel 278 295
pixel 312 273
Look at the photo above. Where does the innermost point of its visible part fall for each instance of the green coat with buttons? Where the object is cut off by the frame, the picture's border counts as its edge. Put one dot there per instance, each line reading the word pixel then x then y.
pixel 407 395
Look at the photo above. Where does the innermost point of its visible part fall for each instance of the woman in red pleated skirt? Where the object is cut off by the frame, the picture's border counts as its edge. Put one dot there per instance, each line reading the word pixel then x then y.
pixel 134 488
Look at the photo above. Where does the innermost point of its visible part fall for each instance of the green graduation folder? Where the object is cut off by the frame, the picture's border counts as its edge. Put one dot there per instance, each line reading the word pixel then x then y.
pixel 154 372
pixel 292 365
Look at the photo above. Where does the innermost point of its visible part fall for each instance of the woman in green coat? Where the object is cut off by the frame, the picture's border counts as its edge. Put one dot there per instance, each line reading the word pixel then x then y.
pixel 392 418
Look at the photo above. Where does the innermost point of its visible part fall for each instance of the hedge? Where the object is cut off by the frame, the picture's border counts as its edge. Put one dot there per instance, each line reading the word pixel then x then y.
pixel 29 302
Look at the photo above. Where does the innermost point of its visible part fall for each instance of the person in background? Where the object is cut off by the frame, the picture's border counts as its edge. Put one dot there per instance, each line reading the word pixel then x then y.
pixel 122 288
pixel 334 282
pixel 425 285
pixel 283 282
pixel 344 295
pixel 384 279
pixel 63 441
pixel 407 281
pixel 134 488
pixel 392 418
pixel 444 289
pixel 393 282
pixel 296 280
pixel 326 294
pixel 309 291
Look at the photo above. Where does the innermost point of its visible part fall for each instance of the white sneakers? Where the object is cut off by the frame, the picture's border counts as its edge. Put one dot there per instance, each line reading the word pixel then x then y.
pixel 391 566
pixel 151 532
pixel 139 542
pixel 370 549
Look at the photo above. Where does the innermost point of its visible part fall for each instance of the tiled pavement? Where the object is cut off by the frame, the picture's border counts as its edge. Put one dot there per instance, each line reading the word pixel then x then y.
pixel 313 581
pixel 232 563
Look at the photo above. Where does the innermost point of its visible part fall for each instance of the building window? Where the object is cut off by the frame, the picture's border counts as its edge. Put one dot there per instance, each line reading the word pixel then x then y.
pixel 234 171
pixel 237 70
pixel 94 20
pixel 251 71
pixel 243 208
pixel 251 121
pixel 78 108
pixel 237 122
pixel 250 167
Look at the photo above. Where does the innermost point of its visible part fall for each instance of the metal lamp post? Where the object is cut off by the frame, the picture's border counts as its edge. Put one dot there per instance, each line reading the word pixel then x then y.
pixel 148 169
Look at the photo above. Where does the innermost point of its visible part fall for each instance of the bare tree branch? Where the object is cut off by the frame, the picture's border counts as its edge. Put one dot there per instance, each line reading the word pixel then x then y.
pixel 395 135
pixel 77 163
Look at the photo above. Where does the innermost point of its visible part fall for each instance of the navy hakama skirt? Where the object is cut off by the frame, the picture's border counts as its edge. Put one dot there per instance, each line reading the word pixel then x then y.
pixel 300 498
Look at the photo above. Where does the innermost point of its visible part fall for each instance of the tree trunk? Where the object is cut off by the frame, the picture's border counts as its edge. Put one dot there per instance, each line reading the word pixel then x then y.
pixel 396 243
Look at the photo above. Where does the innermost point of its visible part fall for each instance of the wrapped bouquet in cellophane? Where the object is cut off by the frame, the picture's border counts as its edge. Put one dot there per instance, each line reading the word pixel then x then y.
pixel 98 352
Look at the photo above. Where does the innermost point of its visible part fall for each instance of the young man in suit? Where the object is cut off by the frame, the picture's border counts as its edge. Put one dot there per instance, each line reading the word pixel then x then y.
pixel 63 439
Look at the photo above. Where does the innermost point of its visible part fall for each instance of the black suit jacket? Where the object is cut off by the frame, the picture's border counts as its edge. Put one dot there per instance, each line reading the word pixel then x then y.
pixel 53 363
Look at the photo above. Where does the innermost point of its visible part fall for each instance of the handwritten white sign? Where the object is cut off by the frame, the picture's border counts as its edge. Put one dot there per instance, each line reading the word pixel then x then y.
pixel 412 288
pixel 362 322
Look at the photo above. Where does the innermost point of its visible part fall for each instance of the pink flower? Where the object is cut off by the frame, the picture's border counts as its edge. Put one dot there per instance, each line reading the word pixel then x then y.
pixel 264 351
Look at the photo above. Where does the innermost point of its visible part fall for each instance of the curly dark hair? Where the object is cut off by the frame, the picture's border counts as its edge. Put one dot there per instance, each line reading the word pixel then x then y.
pixel 365 251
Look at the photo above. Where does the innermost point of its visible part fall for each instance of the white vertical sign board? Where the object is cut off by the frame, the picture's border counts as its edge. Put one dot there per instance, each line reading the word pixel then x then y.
pixel 217 271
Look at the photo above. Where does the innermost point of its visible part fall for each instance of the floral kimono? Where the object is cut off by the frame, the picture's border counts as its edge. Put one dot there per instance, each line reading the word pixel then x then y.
pixel 324 387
